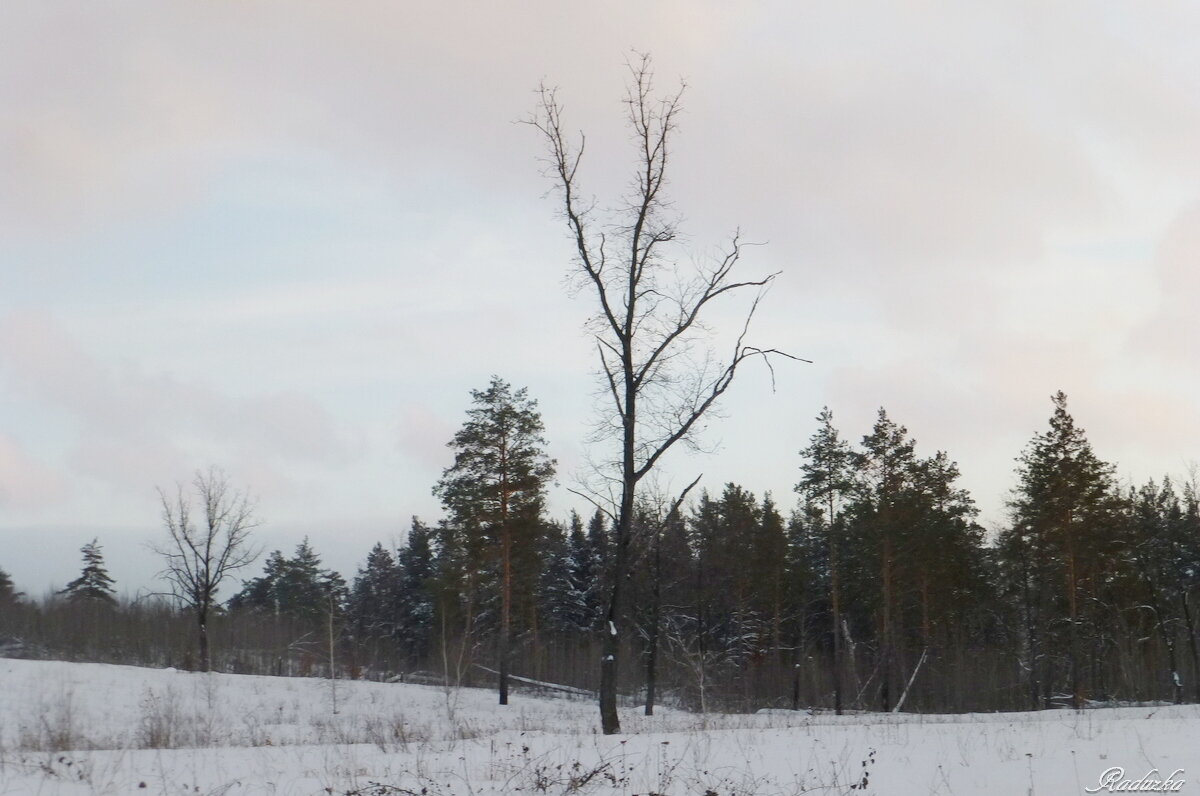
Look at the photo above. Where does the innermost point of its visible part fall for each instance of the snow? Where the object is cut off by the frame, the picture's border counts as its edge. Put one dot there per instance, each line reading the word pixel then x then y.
pixel 69 728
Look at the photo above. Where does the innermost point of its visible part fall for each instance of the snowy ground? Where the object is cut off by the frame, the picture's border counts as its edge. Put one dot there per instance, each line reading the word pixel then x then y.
pixel 96 729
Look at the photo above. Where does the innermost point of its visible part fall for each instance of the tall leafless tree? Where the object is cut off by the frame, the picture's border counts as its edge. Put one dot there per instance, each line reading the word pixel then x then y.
pixel 658 367
pixel 201 553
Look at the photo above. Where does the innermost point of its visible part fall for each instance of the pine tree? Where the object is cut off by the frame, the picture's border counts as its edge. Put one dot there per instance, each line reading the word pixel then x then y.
pixel 496 488
pixel 769 562
pixel 93 584
pixel 885 510
pixel 946 579
pixel 1062 522
pixel 825 484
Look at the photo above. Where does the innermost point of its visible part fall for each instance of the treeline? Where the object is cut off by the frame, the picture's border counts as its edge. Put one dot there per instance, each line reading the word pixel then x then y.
pixel 878 590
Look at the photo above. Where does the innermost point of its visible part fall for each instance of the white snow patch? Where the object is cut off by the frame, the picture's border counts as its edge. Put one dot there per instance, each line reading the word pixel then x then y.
pixel 95 729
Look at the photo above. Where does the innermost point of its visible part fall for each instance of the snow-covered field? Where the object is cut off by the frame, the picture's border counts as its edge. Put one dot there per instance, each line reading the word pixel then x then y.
pixel 96 729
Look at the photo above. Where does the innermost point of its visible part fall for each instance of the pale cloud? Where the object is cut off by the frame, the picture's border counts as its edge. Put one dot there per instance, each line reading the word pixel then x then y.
pixel 135 428
pixel 1173 333
pixel 27 483
pixel 422 435
pixel 291 239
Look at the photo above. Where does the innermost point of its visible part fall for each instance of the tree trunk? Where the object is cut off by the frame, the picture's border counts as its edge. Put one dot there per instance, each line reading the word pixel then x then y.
pixel 505 616
pixel 1195 648
pixel 926 623
pixel 506 588
pixel 202 617
pixel 1032 633
pixel 836 600
pixel 539 663
pixel 1035 662
pixel 655 609
pixel 610 724
pixel 1073 603
pixel 886 663
pixel 651 666
pixel 1168 638
pixel 332 659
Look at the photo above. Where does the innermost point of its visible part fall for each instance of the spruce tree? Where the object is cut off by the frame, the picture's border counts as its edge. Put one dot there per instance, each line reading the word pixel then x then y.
pixel 555 590
pixel 460 587
pixel 298 587
pixel 670 575
pixel 305 588
pixel 8 592
pixel 594 568
pixel 582 596
pixel 372 603
pixel 93 584
pixel 414 591
pixel 260 594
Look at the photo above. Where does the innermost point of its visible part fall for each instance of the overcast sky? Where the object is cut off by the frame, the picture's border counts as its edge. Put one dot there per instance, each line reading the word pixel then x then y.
pixel 289 238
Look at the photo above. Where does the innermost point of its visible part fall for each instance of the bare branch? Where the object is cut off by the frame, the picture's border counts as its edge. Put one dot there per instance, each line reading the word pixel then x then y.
pixel 650 318
pixel 197 560
pixel 599 507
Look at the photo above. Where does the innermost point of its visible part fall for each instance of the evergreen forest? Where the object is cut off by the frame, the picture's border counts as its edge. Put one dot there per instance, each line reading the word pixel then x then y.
pixel 872 587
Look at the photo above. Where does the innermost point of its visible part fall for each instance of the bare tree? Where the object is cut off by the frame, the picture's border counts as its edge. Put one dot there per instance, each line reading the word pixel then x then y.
pixel 201 555
pixel 658 368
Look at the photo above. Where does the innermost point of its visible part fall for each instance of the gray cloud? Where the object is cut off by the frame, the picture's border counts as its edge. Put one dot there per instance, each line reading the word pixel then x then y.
pixel 295 238
pixel 135 428
pixel 26 482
